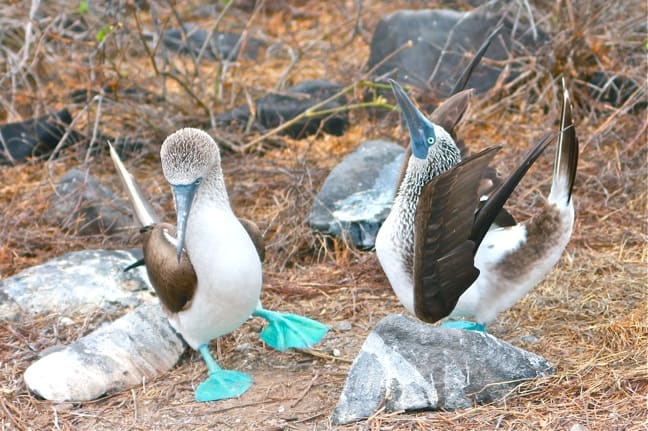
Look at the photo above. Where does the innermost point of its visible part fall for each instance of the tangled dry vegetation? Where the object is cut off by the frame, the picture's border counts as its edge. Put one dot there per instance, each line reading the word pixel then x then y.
pixel 588 317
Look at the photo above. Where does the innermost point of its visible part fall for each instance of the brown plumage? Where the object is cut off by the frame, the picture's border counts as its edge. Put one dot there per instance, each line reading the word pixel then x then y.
pixel 175 281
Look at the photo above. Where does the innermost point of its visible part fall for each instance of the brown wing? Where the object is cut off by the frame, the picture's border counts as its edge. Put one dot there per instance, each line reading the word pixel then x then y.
pixel 443 251
pixel 256 236
pixel 174 282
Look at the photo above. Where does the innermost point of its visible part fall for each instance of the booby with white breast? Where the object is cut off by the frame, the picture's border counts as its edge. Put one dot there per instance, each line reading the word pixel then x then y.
pixel 207 269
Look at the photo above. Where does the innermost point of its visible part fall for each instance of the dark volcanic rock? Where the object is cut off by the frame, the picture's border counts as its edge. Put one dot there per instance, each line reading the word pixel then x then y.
pixel 357 195
pixel 615 90
pixel 274 109
pixel 443 42
pixel 82 205
pixel 76 282
pixel 34 138
pixel 408 365
pixel 221 46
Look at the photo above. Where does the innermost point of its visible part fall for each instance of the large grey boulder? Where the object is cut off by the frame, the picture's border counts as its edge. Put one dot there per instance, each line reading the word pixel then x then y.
pixel 357 195
pixel 137 347
pixel 82 205
pixel 408 365
pixel 443 42
pixel 76 282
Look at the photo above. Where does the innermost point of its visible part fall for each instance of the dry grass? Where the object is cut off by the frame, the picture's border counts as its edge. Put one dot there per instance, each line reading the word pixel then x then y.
pixel 588 316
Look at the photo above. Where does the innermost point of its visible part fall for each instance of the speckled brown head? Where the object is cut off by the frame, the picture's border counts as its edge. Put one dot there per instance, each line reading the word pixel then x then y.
pixel 188 155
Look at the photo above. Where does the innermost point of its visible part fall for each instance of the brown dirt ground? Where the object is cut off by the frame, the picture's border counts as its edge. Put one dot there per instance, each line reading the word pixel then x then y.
pixel 589 315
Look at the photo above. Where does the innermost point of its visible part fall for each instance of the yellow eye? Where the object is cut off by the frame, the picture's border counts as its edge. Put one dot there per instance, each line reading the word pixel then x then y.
pixel 431 140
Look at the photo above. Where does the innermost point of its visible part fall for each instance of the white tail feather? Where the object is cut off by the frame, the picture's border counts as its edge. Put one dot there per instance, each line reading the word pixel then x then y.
pixel 143 211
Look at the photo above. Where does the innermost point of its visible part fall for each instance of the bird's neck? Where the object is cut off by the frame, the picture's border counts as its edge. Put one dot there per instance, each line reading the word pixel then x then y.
pixel 212 191
pixel 420 172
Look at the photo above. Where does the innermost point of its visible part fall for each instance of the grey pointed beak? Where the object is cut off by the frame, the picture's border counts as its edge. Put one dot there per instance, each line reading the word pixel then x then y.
pixel 415 120
pixel 183 195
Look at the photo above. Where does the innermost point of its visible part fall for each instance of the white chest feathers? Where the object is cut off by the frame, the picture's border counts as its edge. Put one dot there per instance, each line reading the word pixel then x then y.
pixel 229 276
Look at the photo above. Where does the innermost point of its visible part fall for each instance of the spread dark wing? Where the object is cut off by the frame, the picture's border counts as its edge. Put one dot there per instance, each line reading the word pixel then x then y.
pixel 256 236
pixel 502 219
pixel 443 251
pixel 174 282
pixel 494 205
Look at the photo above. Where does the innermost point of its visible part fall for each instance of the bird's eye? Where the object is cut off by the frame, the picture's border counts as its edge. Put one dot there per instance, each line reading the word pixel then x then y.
pixel 431 140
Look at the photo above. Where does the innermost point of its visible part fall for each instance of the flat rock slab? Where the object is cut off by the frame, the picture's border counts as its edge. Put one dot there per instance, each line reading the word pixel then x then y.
pixel 443 41
pixel 137 347
pixel 357 195
pixel 408 365
pixel 76 282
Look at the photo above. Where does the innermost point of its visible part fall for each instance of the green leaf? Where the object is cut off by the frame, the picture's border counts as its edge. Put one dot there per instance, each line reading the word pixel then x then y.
pixel 83 6
pixel 103 32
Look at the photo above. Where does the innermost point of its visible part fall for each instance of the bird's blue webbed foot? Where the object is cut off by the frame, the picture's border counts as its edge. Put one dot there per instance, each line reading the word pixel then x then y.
pixel 289 331
pixel 464 324
pixel 220 384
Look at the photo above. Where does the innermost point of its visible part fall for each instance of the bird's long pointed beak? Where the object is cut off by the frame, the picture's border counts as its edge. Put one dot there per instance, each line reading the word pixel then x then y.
pixel 183 195
pixel 414 119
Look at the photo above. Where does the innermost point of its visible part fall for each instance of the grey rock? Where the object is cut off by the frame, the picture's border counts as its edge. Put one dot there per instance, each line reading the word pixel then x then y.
pixel 443 42
pixel 137 347
pixel 615 90
pixel 82 205
pixel 342 326
pixel 76 282
pixel 357 195
pixel 274 109
pixel 408 365
pixel 34 138
pixel 221 46
pixel 529 339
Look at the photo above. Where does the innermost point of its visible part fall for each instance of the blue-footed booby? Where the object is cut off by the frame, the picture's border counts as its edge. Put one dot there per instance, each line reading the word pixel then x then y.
pixel 440 250
pixel 207 269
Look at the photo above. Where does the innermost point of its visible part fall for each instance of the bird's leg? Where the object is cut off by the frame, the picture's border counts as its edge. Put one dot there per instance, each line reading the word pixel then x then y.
pixel 464 324
pixel 220 384
pixel 285 331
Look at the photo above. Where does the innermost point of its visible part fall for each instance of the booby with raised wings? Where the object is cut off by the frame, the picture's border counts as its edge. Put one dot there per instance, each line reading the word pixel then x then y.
pixel 436 247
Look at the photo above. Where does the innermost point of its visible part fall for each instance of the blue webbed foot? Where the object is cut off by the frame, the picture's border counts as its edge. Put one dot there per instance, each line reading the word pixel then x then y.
pixel 290 331
pixel 223 384
pixel 220 384
pixel 464 324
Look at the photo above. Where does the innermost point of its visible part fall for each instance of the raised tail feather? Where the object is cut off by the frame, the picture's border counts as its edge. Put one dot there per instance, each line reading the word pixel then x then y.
pixel 566 156
pixel 143 212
